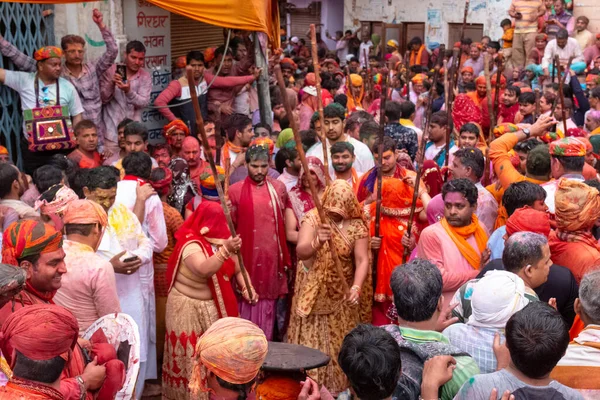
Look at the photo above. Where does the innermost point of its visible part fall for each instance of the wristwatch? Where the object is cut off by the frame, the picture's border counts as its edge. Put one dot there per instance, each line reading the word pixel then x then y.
pixel 527 133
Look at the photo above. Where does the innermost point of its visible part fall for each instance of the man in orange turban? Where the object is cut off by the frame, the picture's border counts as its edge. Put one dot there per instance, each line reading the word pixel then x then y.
pixel 4 156
pixel 577 210
pixel 43 335
pixel 88 289
pixel 479 97
pixel 228 356
pixel 174 132
pixel 37 248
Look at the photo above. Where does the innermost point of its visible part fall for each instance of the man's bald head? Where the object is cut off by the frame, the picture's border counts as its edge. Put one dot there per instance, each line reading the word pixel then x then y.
pixel 190 150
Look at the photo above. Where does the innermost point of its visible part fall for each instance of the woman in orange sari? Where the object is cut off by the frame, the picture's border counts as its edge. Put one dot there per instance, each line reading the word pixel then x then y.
pixel 322 313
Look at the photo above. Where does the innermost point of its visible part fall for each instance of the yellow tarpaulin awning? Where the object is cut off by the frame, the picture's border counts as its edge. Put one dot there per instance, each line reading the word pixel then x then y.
pixel 247 15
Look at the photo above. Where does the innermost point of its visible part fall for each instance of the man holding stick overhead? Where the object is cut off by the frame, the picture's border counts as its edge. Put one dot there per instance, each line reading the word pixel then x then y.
pixel 258 207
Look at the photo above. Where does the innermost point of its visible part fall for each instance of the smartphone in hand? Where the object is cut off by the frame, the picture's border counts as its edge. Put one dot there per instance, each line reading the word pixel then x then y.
pixel 122 70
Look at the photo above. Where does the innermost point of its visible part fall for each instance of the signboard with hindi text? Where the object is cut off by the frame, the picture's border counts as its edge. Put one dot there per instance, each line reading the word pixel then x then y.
pixel 151 25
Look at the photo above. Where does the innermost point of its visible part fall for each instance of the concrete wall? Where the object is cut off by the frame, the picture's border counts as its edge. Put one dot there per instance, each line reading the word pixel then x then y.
pixel 76 19
pixel 436 14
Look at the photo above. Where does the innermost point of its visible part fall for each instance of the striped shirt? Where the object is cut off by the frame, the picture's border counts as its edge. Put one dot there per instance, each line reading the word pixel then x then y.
pixel 531 10
pixel 580 366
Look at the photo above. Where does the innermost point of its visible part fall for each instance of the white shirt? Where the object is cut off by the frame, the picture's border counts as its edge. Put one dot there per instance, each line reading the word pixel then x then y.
pixel 571 49
pixel 433 150
pixel 23 83
pixel 365 47
pixel 364 158
pixel 288 180
pixel 341 50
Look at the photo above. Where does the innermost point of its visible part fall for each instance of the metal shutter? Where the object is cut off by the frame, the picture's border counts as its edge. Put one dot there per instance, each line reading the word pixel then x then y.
pixel 301 18
pixel 188 34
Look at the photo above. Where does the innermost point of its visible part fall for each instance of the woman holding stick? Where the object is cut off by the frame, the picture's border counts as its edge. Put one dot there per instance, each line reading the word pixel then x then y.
pixel 322 312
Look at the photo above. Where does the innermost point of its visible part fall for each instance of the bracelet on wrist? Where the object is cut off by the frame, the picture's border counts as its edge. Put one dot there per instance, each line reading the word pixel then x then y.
pixel 356 288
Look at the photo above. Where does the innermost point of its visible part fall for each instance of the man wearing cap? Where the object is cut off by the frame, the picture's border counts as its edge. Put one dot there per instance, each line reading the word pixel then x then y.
pixel 467 75
pixel 37 248
pixel 85 76
pixel 567 161
pixel 572 244
pixel 43 88
pixel 392 48
pixel 40 336
pixel 88 288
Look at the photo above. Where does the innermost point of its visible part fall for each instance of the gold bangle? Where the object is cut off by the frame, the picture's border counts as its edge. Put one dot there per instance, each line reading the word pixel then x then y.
pixel 226 253
pixel 219 256
pixel 356 288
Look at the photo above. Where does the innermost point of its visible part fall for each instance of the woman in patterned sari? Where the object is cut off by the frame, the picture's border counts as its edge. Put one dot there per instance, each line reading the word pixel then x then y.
pixel 322 313
pixel 300 198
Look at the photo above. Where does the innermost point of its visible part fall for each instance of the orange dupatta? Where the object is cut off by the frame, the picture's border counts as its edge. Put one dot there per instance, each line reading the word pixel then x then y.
pixel 459 237
pixel 415 58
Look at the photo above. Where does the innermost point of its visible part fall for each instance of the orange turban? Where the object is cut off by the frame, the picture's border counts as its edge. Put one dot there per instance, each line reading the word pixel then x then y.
pixel 310 79
pixel 356 80
pixel 209 54
pixel 174 125
pixel 505 128
pixel 180 62
pixel 47 52
pixel 567 147
pixel 528 220
pixel 467 69
pixel 502 81
pixel 278 388
pixel 85 212
pixel 480 80
pixel 233 349
pixel 267 143
pixel 26 238
pixel 39 332
pixel 3 150
pixel 418 79
pixel 577 206
pixel 591 78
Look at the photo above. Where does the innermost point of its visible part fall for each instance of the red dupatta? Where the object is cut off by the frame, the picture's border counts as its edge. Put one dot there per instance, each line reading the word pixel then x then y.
pixel 208 220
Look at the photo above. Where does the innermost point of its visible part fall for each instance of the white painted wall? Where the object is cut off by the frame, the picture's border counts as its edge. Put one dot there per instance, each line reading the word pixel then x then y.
pixel 486 12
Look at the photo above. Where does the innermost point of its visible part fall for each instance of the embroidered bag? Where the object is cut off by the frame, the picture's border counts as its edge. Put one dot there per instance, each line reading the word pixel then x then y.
pixel 48 127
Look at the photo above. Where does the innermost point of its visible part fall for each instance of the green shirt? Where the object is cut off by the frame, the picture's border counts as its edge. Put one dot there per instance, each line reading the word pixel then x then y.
pixel 466 367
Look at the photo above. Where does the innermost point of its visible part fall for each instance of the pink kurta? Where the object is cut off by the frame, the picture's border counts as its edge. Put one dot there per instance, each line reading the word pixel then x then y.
pixel 436 246
pixel 88 289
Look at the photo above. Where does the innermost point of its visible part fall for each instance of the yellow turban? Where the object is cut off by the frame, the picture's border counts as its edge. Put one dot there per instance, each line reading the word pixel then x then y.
pixel 233 349
pixel 356 80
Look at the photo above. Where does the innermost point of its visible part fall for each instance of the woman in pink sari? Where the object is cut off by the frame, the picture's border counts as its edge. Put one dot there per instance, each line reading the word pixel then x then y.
pixel 300 198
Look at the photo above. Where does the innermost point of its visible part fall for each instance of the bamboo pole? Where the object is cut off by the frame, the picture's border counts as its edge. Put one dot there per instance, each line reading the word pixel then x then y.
pixel 537 104
pixel 317 68
pixel 213 168
pixel 421 154
pixel 313 188
pixel 382 102
pixel 488 89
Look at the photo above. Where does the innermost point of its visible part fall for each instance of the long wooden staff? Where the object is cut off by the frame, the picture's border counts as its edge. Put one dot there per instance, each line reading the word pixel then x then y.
pixel 317 68
pixel 488 89
pixel 382 102
pixel 313 187
pixel 215 174
pixel 537 104
pixel 561 94
pixel 407 73
pixel 421 154
pixel 449 105
pixel 496 103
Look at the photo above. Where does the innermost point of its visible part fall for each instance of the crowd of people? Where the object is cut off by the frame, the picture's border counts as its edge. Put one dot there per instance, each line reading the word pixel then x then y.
pixel 470 273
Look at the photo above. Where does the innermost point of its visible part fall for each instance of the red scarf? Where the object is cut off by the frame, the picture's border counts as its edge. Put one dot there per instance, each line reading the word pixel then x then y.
pixel 246 230
pixel 219 284
pixel 46 296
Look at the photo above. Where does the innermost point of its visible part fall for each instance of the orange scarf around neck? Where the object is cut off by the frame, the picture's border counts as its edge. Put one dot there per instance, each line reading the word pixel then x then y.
pixel 415 57
pixel 227 147
pixel 459 237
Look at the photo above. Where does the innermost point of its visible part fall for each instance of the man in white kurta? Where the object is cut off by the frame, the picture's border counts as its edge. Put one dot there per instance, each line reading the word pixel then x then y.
pixel 137 166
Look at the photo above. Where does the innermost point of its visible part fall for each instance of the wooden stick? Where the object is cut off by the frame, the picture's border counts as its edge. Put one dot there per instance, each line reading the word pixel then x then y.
pixel 452 86
pixel 421 154
pixel 537 104
pixel 213 168
pixel 464 23
pixel 382 101
pixel 496 103
pixel 317 68
pixel 554 64
pixel 561 96
pixel 313 187
pixel 488 89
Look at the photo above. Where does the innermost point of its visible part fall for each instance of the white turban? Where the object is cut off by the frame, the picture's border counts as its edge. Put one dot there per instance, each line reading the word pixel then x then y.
pixel 496 297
